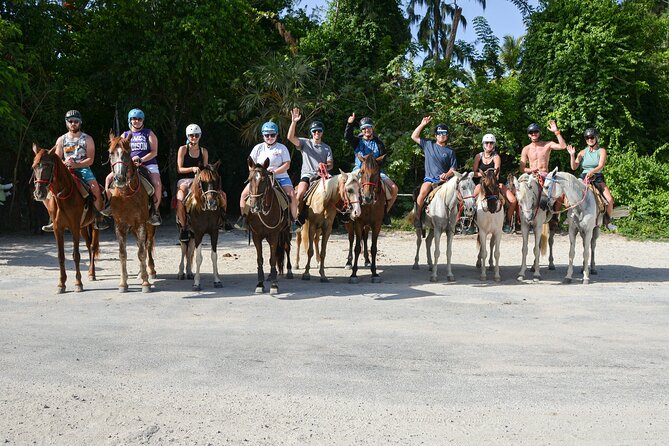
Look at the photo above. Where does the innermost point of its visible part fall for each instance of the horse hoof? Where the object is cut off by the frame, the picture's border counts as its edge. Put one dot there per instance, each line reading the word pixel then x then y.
pixel 146 288
pixel 353 280
pixel 367 264
pixel 429 268
pixel 520 278
pixel 123 289
pixel 289 275
pixel 347 266
pixel 498 279
pixel 593 271
pixel 181 276
pixel 190 276
pixel 586 281
pixel 92 278
pixel 566 280
pixel 551 267
pixel 273 291
pixel 78 288
pixel 531 268
pixel 433 279
pixel 60 290
pixel 325 280
pixel 478 263
pixel 197 288
pixel 218 285
pixel 536 278
pixel 377 279
pixel 451 278
pixel 306 276
pixel 415 267
pixel 260 290
pixel 153 276
pixel 482 278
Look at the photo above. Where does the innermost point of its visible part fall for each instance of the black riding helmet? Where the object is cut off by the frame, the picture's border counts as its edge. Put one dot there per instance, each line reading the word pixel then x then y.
pixel 591 132
pixel 441 128
pixel 534 127
pixel 316 125
pixel 73 114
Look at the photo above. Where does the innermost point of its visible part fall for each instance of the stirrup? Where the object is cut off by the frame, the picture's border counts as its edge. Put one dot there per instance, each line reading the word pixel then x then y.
pixel 155 219
pixel 48 227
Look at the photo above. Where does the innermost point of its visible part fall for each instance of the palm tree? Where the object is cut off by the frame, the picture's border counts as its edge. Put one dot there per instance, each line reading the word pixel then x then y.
pixel 511 54
pixel 432 28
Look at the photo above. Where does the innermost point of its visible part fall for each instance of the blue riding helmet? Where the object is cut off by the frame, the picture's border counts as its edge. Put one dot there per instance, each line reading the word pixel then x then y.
pixel 269 127
pixel 135 113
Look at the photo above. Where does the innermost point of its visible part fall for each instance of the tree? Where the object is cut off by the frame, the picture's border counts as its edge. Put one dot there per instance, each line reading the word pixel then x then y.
pixel 511 54
pixel 432 28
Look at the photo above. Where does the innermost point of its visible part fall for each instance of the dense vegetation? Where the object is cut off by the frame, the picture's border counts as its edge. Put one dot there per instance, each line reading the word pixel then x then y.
pixel 230 65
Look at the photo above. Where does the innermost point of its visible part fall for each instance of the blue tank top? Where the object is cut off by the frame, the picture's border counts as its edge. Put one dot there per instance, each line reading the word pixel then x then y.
pixel 590 160
pixel 139 144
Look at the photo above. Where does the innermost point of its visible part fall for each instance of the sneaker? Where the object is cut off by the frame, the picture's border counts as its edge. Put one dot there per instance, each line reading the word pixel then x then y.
pixel 106 211
pixel 297 224
pixel 100 224
pixel 184 235
pixel 610 227
pixel 386 220
pixel 241 223
pixel 155 219
pixel 48 228
pixel 507 229
pixel 470 230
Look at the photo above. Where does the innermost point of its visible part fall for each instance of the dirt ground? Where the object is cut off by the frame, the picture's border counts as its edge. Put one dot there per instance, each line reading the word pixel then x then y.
pixel 405 361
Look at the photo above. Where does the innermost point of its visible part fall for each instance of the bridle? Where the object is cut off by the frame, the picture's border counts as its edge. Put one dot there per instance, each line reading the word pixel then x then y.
pixel 264 209
pixel 469 213
pixel 128 172
pixel 53 179
pixel 211 189
pixel 375 185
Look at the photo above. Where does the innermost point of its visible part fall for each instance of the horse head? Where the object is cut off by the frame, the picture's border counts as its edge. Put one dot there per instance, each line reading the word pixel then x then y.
pixel 122 166
pixel 206 187
pixel 370 178
pixel 490 191
pixel 44 171
pixel 466 194
pixel 552 190
pixel 528 193
pixel 259 184
pixel 349 191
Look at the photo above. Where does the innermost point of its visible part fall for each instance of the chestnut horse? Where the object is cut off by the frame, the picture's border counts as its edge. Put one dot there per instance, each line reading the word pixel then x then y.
pixel 130 209
pixel 203 207
pixel 330 195
pixel 68 209
pixel 267 220
pixel 490 219
pixel 373 203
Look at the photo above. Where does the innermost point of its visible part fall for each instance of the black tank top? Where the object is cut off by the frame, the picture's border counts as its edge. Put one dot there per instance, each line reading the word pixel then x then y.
pixel 491 165
pixel 189 161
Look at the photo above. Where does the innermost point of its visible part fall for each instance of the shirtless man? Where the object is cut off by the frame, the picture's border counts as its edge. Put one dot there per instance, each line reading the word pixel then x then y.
pixel 536 155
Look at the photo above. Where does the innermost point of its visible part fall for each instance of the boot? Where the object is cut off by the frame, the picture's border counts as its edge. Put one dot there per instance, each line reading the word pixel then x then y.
pixel 241 223
pixel 106 208
pixel 386 218
pixel 154 218
pixel 184 235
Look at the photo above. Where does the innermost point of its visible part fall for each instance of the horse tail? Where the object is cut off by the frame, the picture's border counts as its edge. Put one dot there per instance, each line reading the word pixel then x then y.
pixel 410 216
pixel 545 229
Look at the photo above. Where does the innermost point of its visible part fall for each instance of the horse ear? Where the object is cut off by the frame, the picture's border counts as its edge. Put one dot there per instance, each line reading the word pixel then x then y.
pixel 457 174
pixel 111 135
pixel 471 174
pixel 554 171
pixel 250 162
pixel 35 148
pixel 342 172
pixel 266 163
pixel 52 150
pixel 379 159
pixel 360 157
pixel 216 165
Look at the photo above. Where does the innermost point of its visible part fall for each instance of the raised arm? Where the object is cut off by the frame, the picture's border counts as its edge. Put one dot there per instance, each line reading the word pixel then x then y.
pixel 351 139
pixel 574 160
pixel 295 116
pixel 418 130
pixel 561 144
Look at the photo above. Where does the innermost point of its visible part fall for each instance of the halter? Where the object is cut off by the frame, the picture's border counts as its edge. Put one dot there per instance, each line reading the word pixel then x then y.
pixel 265 211
pixel 461 200
pixel 536 208
pixel 128 184
pixel 553 180
pixel 53 179
pixel 346 202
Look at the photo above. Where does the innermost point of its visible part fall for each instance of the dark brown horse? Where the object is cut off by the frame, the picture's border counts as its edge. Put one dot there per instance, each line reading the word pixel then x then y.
pixel 130 209
pixel 267 220
pixel 203 209
pixel 372 206
pixel 68 210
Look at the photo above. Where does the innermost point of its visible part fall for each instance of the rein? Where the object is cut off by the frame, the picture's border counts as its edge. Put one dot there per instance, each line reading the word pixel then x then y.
pixel 265 212
pixel 572 206
pixel 53 179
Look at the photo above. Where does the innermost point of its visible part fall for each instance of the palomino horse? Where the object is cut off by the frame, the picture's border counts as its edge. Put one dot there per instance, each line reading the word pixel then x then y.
pixel 203 207
pixel 330 195
pixel 583 217
pixel 452 200
pixel 490 219
pixel 68 210
pixel 130 209
pixel 528 193
pixel 268 220
pixel 373 203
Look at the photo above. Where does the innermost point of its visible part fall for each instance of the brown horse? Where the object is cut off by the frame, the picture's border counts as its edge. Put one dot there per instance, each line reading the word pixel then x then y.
pixel 267 220
pixel 203 208
pixel 373 203
pixel 130 209
pixel 331 195
pixel 68 209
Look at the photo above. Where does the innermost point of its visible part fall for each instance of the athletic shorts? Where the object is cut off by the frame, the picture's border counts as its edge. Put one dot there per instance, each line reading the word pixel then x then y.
pixel 186 181
pixel 284 181
pixel 153 168
pixel 85 173
pixel 431 180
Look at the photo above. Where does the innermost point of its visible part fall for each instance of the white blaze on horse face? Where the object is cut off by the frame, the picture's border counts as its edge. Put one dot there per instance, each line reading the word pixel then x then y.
pixel 117 166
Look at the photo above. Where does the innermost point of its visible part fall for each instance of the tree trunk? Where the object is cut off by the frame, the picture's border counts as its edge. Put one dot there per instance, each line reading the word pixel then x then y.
pixel 451 39
pixel 437 27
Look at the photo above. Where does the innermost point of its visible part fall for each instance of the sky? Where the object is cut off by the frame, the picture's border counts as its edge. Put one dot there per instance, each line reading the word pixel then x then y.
pixel 502 16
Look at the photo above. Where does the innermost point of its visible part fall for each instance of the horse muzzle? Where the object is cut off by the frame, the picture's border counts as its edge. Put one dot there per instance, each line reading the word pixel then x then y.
pixel 543 203
pixel 40 194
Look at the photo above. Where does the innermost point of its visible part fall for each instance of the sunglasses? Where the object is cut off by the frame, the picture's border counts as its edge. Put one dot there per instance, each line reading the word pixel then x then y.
pixel 535 132
pixel 269 135
pixel 590 137
pixel 194 135
pixel 442 133
pixel 317 131
pixel 136 119
pixel 489 142
pixel 73 121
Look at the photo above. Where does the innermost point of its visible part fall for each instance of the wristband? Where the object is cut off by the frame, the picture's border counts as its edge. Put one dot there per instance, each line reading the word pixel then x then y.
pixel 557 133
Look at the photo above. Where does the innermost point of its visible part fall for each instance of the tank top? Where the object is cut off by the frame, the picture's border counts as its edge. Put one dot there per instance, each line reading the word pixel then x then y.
pixel 75 148
pixel 139 144
pixel 590 160
pixel 485 166
pixel 189 161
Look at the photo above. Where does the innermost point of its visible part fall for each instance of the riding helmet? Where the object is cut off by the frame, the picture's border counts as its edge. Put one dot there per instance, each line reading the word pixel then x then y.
pixel 489 137
pixel 193 129
pixel 441 128
pixel 135 113
pixel 73 114
pixel 269 127
pixel 366 122
pixel 591 132
pixel 316 125
pixel 534 127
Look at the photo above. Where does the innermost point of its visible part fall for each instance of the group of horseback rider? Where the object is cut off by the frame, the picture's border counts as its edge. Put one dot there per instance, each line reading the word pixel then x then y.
pixel 77 149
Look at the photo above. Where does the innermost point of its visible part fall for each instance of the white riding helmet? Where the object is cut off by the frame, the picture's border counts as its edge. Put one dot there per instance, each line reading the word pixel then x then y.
pixel 489 137
pixel 193 129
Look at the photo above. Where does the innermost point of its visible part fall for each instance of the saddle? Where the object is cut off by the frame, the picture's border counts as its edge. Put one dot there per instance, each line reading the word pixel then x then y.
pixel 313 184
pixel 145 180
pixel 599 198
pixel 281 196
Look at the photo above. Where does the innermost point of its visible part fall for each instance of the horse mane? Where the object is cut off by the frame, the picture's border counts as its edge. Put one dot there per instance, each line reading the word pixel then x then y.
pixel 525 179
pixel 489 183
pixel 119 140
pixel 447 190
pixel 207 174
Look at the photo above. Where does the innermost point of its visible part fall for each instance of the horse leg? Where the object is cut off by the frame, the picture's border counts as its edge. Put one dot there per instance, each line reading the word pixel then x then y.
pixel 525 228
pixel 60 241
pixel 437 252
pixel 325 236
pixel 273 273
pixel 419 240
pixel 365 236
pixel 593 244
pixel 428 248
pixel 91 238
pixel 450 232
pixel 298 242
pixel 351 235
pixel 482 252
pixel 121 236
pixel 537 252
pixel 141 236
pixel 551 237
pixel 310 251
pixel 572 251
pixel 198 264
pixel 587 238
pixel 184 254
pixel 491 265
pixel 358 243
pixel 150 243
pixel 498 241
pixel 375 238
pixel 286 248
pixel 76 256
pixel 257 241
pixel 213 235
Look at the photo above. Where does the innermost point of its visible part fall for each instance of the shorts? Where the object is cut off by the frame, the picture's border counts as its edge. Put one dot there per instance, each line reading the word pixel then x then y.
pixel 597 180
pixel 431 180
pixel 186 181
pixel 153 168
pixel 308 178
pixel 85 173
pixel 284 181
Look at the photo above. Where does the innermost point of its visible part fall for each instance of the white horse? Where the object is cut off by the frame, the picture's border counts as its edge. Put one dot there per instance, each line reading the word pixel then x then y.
pixel 583 217
pixel 528 193
pixel 489 219
pixel 452 200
